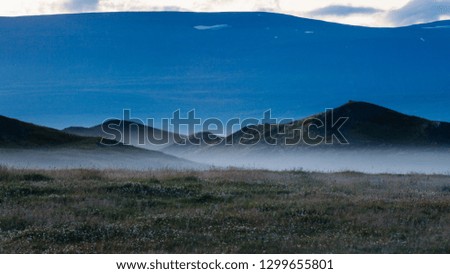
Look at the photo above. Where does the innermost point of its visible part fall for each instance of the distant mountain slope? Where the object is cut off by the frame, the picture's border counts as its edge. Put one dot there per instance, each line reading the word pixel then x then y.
pixel 27 145
pixel 366 125
pixel 155 63
pixel 372 124
pixel 362 125
pixel 380 140
pixel 95 131
pixel 129 132
pixel 15 133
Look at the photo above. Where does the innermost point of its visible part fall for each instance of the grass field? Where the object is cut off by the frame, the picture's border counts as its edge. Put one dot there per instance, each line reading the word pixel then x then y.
pixel 222 211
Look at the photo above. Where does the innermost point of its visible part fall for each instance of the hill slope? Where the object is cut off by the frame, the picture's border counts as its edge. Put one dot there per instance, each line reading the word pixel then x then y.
pixel 26 145
pixel 355 124
pixel 18 134
pixel 128 132
pixel 380 141
pixel 371 124
pixel 366 124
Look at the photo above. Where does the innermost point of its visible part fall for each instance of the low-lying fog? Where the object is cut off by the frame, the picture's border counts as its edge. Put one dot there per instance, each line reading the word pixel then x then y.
pixel 396 161
pixel 91 159
pixel 388 160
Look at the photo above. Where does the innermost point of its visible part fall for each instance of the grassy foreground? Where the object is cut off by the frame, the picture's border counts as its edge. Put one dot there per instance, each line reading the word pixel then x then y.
pixel 231 211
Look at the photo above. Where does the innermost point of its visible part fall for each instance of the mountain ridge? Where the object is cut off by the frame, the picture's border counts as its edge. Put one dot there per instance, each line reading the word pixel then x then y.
pixel 372 133
pixel 367 124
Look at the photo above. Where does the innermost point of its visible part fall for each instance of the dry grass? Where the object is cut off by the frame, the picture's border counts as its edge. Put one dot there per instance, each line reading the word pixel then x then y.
pixel 231 211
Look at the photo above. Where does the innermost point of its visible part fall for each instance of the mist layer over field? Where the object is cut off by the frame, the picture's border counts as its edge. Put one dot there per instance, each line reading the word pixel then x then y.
pixel 387 160
pixel 66 158
pixel 382 160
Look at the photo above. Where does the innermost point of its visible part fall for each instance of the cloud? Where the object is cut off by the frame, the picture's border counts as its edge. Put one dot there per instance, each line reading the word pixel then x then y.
pixel 82 5
pixel 337 10
pixel 420 11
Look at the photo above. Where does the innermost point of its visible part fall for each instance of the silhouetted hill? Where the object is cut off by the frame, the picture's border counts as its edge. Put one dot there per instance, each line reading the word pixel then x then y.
pixel 372 124
pixel 366 125
pixel 15 133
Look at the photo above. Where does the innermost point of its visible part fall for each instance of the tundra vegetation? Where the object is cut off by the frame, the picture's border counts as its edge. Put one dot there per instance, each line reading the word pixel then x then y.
pixel 222 211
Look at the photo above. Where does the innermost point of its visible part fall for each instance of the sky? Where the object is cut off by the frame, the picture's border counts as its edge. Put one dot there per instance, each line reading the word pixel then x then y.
pixel 374 13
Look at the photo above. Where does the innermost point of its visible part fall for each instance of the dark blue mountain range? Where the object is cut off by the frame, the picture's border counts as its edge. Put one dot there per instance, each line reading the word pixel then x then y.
pixel 60 70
